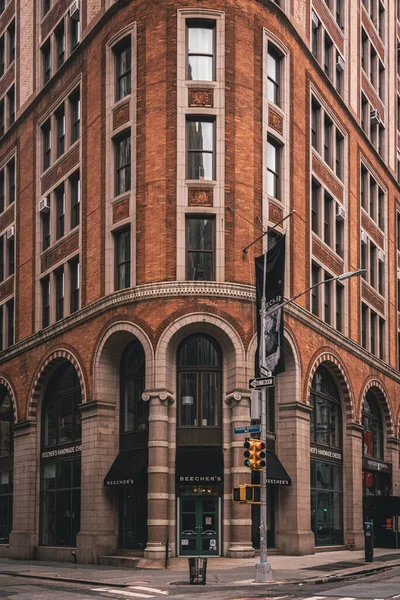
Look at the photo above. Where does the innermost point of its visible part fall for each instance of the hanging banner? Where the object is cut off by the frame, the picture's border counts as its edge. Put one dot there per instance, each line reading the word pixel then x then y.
pixel 273 321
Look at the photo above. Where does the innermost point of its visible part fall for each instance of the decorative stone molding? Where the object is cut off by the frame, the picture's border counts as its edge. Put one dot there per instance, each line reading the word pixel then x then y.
pixel 327 177
pixel 325 256
pixel 24 428
pixel 7 217
pixel 200 196
pixel 369 294
pixel 275 120
pixel 385 404
pixel 4 382
pixel 275 212
pixel 163 395
pixel 299 406
pixel 372 230
pixel 93 407
pixel 7 288
pixel 120 210
pixel 7 79
pixel 68 162
pixel 237 396
pixel 201 98
pixel 60 251
pixel 120 115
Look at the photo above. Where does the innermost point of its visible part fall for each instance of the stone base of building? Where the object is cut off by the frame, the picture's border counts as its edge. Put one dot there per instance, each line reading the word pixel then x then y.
pixel 241 551
pixel 154 551
pixel 297 544
pixel 89 546
pixel 54 553
pixel 22 545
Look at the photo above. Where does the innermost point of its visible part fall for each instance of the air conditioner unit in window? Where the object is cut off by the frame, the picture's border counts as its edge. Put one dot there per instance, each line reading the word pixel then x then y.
pixel 44 205
pixel 340 64
pixel 381 256
pixel 340 213
pixel 364 238
pixel 314 21
pixel 10 233
pixel 375 117
pixel 74 10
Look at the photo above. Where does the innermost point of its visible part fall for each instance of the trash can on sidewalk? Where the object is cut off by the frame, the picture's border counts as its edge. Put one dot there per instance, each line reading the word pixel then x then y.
pixel 198 571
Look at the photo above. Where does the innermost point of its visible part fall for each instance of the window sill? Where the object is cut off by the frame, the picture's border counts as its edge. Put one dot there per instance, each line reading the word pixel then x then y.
pixel 118 103
pixel 201 182
pixel 190 83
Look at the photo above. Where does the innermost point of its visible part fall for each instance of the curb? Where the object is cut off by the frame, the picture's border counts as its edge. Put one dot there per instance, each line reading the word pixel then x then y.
pixel 64 579
pixel 347 575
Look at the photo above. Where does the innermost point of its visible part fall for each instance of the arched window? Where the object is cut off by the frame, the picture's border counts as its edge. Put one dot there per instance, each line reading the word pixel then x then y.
pixel 134 411
pixel 6 471
pixel 6 421
pixel 373 428
pixel 326 416
pixel 199 382
pixel 60 483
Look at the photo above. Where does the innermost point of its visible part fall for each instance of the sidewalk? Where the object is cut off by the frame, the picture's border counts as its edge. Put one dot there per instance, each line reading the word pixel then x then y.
pixel 312 568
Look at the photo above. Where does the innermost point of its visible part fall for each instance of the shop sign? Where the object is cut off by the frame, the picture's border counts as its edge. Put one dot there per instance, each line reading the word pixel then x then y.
pixel 120 482
pixel 278 481
pixel 325 453
pixel 376 465
pixel 62 451
pixel 200 479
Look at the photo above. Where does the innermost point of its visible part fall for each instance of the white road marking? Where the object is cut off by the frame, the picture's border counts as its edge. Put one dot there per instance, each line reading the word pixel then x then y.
pixel 398 596
pixel 315 598
pixel 147 589
pixel 121 593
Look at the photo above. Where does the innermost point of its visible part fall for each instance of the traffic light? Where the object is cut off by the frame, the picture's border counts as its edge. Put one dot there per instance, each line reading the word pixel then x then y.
pixel 254 454
pixel 247 494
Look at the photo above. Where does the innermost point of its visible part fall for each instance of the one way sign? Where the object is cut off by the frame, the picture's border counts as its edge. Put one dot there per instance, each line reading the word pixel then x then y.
pixel 261 382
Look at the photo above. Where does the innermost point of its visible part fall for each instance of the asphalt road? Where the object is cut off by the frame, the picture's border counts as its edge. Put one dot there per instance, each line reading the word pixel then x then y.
pixel 381 586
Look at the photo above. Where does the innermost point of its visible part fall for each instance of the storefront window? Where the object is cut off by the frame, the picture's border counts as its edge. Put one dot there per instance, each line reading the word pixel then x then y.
pixel 6 461
pixel 199 382
pixel 60 483
pixel 373 428
pixel 326 475
pixel 134 411
pixel 6 421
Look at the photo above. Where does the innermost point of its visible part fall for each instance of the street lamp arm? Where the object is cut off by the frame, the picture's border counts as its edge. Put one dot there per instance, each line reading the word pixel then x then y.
pixel 341 277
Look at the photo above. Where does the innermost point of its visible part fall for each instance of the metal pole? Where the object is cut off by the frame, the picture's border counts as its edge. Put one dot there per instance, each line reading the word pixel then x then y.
pixel 263 568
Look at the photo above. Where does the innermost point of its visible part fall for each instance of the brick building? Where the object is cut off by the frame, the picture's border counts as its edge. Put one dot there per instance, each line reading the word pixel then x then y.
pixel 144 145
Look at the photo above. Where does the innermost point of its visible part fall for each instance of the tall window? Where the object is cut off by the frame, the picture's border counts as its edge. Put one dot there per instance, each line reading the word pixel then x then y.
pixel 6 473
pixel 123 259
pixel 201 50
pixel 75 116
pixel 123 52
pixel 60 284
pixel 134 411
pixel 123 163
pixel 75 190
pixel 373 427
pixel 199 382
pixel 273 168
pixel 46 137
pixel 200 245
pixel 274 75
pixel 60 44
pixel 46 59
pixel 326 416
pixel 74 278
pixel 200 146
pixel 60 211
pixel 60 125
pixel 61 478
pixel 45 285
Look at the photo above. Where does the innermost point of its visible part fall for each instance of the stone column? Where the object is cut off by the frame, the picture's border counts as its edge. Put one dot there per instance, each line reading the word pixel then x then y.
pixel 295 535
pixel 157 495
pixel 172 516
pixel 97 536
pixel 24 536
pixel 352 485
pixel 240 533
pixel 392 456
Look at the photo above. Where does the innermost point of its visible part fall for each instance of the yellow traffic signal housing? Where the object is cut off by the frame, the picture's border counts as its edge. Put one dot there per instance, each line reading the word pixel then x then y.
pixel 248 494
pixel 254 454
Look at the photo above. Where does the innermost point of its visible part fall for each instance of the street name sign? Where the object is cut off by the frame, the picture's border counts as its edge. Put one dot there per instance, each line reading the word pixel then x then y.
pixel 247 429
pixel 261 382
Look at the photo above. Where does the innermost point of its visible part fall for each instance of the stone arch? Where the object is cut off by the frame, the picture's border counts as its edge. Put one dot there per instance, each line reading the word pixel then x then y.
pixel 342 378
pixel 385 405
pixel 10 388
pixel 234 363
pixel 42 375
pixel 107 356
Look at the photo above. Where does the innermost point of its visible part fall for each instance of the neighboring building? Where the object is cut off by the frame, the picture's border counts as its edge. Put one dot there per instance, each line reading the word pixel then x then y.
pixel 144 146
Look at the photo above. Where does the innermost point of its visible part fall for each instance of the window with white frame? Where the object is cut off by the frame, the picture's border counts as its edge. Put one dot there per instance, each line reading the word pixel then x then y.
pixel 327 217
pixel 60 210
pixel 327 300
pixel 327 139
pixel 60 292
pixel 274 162
pixel 122 238
pixel 337 9
pixel 327 54
pixel 123 58
pixel 200 136
pixel 373 197
pixel 274 74
pixel 61 40
pixel 200 40
pixel 373 329
pixel 200 245
pixel 122 148
pixel 373 261
pixel 7 184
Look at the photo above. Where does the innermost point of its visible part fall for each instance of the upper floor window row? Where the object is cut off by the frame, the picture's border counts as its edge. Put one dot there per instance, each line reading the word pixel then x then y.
pixel 61 129
pixel 60 44
pixel 327 139
pixel 275 75
pixel 373 261
pixel 7 185
pixel 327 300
pixel 7 110
pixel 7 48
pixel 376 12
pixel 60 292
pixel 372 65
pixel 327 218
pixel 372 331
pixel 372 125
pixel 60 210
pixel 337 9
pixel 123 67
pixel 372 197
pixel 200 43
pixel 327 54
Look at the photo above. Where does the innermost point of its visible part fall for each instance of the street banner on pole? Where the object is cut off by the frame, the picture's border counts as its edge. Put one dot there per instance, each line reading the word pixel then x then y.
pixel 273 325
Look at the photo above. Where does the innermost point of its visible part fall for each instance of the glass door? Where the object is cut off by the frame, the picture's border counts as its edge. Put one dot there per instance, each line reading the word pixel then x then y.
pixel 199 526
pixel 132 518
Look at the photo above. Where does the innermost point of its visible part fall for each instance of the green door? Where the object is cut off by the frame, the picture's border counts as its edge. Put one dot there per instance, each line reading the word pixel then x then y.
pixel 199 526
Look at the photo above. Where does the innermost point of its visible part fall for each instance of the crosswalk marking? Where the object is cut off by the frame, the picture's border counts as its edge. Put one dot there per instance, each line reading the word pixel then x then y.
pixel 120 592
pixel 147 589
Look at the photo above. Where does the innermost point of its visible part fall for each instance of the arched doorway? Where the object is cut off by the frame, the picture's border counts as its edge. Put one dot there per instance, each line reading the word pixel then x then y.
pixel 326 460
pixel 6 464
pixel 60 481
pixel 199 461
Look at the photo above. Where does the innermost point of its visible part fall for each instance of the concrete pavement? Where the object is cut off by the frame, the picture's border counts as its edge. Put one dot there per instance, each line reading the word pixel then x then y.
pixel 220 571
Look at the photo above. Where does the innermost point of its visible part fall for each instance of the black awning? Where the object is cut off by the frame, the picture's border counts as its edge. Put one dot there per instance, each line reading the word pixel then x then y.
pixel 129 468
pixel 276 474
pixel 199 464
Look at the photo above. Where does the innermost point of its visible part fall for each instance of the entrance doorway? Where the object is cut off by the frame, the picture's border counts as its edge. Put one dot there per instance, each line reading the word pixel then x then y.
pixel 132 530
pixel 199 525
